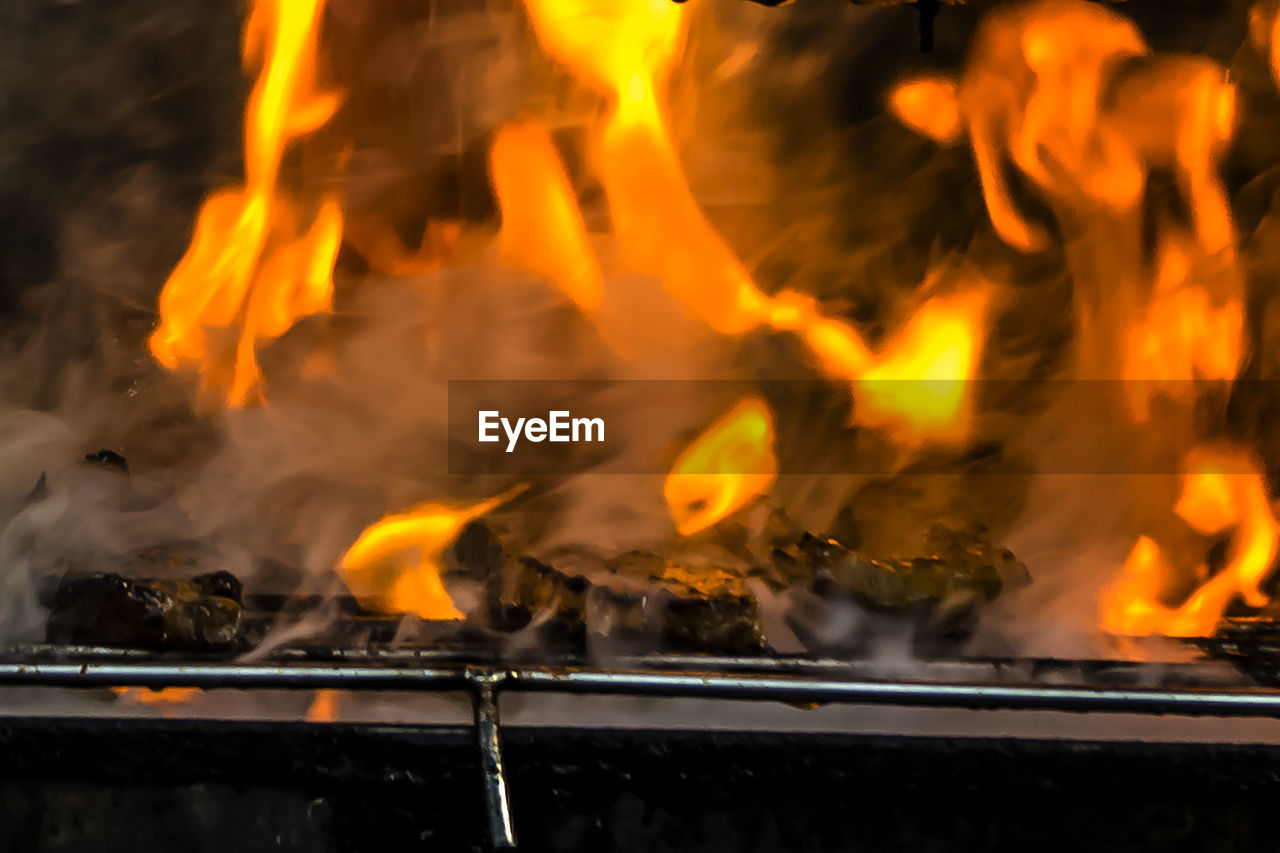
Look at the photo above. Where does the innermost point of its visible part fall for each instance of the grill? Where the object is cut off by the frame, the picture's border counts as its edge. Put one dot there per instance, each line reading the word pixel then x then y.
pixel 1205 688
pixel 1175 748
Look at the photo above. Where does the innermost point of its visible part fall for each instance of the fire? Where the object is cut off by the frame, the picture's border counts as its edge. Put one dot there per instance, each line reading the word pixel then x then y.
pixel 1183 335
pixel 1264 26
pixel 626 49
pixel 724 468
pixel 383 251
pixel 377 572
pixel 542 226
pixel 255 263
pixel 1047 87
pixel 1222 491
pixel 921 382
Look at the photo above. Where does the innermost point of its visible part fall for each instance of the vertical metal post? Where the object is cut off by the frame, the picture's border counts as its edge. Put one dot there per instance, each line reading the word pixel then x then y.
pixel 502 834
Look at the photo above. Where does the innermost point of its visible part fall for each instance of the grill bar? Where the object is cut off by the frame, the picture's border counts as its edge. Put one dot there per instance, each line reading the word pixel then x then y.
pixel 770 681
pixel 690 684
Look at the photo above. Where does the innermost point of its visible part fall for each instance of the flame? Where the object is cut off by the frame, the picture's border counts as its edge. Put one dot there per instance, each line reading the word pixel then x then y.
pixel 383 251
pixel 253 263
pixel 921 382
pixel 163 696
pixel 929 105
pixel 1182 336
pixel 626 49
pixel 1264 27
pixel 1221 491
pixel 1047 89
pixel 724 468
pixel 542 226
pixel 375 570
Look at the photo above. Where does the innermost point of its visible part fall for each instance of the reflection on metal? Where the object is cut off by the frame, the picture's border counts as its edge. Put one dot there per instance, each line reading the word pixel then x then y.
pixel 768 682
pixel 995 685
pixel 488 738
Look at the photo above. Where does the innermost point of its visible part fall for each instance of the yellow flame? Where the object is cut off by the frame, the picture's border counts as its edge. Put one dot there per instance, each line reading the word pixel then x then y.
pixel 921 383
pixel 542 226
pixel 625 48
pixel 1221 491
pixel 252 267
pixel 724 468
pixel 380 573
pixel 1044 89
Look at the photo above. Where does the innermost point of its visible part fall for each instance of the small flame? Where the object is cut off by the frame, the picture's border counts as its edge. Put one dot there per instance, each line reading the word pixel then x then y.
pixel 384 252
pixel 377 572
pixel 724 468
pixel 1221 491
pixel 929 106
pixel 921 382
pixel 252 264
pixel 542 226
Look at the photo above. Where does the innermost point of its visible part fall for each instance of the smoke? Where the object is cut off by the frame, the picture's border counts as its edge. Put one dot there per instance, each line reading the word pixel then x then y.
pixel 114 123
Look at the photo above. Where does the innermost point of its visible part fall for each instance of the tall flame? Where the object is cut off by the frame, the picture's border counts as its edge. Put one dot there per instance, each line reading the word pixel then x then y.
pixel 1264 27
pixel 1222 491
pixel 1047 89
pixel 253 266
pixel 1182 336
pixel 380 570
pixel 724 468
pixel 542 226
pixel 625 49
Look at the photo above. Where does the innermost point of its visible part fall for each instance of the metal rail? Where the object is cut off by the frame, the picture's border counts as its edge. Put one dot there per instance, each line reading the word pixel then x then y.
pixel 763 686
pixel 769 682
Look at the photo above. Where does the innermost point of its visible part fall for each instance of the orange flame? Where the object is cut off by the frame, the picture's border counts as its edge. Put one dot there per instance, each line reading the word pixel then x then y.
pixel 542 226
pixel 1221 491
pixel 724 468
pixel 375 570
pixel 930 106
pixel 384 252
pixel 1264 27
pixel 1183 336
pixel 1046 88
pixel 252 263
pixel 921 382
pixel 625 49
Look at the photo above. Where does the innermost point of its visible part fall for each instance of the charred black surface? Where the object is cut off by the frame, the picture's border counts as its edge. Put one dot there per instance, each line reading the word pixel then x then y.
pixel 315 788
pixel 1251 643
pixel 708 611
pixel 202 614
pixel 523 588
pixel 687 601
